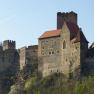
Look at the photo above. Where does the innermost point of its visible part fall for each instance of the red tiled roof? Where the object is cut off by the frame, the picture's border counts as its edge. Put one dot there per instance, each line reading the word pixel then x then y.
pixel 54 33
pixel 48 34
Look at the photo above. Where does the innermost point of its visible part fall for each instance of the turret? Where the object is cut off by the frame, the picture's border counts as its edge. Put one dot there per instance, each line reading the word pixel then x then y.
pixel 9 44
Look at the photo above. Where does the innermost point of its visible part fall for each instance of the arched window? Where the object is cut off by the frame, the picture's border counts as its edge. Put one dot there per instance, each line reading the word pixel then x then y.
pixel 64 44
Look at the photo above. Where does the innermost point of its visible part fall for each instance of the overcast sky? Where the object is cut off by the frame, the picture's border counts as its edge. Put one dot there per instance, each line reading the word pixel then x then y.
pixel 25 20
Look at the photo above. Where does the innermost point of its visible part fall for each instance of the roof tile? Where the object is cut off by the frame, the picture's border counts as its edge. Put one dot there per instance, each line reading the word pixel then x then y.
pixel 49 34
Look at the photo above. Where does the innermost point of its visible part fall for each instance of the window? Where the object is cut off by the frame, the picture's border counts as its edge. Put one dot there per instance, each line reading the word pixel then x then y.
pixel 64 45
pixel 49 52
pixel 46 41
pixel 66 59
pixel 52 52
pixel 76 47
pixel 43 48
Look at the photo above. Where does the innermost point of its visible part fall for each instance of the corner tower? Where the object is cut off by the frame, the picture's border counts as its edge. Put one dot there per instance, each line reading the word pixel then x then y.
pixel 9 44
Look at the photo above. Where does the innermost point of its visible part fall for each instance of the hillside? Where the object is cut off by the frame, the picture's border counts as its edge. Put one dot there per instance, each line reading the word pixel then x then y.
pixel 54 84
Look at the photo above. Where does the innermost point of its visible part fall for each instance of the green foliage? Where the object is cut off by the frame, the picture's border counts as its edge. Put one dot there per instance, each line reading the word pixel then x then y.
pixel 29 83
pixel 56 84
pixel 84 86
pixel 14 90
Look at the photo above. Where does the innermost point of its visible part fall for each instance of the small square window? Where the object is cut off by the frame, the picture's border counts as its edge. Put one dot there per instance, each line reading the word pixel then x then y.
pixel 64 45
pixel 42 47
pixel 49 52
pixel 76 47
pixel 52 52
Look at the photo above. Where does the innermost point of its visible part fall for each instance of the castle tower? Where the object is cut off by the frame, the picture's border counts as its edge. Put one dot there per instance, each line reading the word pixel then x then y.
pixel 9 57
pixel 68 17
pixel 9 44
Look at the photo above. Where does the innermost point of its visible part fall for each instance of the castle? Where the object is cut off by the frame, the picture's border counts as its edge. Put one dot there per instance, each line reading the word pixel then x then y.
pixel 63 50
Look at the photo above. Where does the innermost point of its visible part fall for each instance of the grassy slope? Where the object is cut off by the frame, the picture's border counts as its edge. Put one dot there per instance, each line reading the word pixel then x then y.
pixel 56 85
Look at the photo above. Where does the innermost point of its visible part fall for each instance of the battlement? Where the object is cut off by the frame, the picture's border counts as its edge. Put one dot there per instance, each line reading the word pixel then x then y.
pixel 9 44
pixel 28 48
pixel 32 47
pixel 9 41
pixel 66 13
pixel 66 16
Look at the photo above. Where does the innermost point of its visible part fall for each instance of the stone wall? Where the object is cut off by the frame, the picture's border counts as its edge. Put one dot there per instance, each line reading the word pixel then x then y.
pixel 8 56
pixel 75 59
pixel 49 55
pixel 89 66
pixel 22 60
pixel 65 50
pixel 28 55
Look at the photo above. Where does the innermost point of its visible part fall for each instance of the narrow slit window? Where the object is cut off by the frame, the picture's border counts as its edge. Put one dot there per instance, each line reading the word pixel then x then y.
pixel 64 45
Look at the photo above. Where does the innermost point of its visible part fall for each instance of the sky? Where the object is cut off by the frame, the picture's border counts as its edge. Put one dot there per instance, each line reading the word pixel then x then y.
pixel 25 20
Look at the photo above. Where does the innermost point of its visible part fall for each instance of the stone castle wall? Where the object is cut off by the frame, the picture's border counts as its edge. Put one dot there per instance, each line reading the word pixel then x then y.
pixel 49 53
pixel 22 56
pixel 8 56
pixel 28 55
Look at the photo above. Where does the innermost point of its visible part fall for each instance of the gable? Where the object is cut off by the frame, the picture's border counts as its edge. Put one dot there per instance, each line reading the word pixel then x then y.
pixel 65 29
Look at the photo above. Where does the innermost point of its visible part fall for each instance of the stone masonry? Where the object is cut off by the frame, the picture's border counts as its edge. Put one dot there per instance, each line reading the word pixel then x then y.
pixel 28 55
